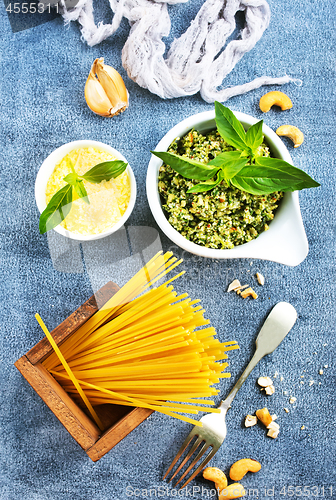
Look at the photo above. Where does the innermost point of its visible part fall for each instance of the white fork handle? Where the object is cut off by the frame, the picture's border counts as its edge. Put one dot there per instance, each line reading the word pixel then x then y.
pixel 275 328
pixel 228 400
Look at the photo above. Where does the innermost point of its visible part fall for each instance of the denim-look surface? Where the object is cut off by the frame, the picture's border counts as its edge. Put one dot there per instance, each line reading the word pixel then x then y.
pixel 44 70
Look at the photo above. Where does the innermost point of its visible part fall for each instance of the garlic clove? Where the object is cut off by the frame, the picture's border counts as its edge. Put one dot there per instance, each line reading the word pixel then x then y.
pixel 105 91
pixel 112 82
pixel 119 83
pixel 96 97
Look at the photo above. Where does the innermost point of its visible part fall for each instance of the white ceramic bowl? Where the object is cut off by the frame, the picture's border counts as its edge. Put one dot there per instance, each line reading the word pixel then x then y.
pixel 47 169
pixel 285 241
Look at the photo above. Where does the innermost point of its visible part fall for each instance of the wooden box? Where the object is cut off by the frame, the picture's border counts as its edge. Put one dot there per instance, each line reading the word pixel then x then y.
pixel 118 420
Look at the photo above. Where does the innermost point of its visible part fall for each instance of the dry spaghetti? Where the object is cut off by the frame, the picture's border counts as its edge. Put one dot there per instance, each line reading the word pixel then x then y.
pixel 147 347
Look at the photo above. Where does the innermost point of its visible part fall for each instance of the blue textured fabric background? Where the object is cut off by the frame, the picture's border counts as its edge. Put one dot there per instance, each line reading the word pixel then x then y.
pixel 44 70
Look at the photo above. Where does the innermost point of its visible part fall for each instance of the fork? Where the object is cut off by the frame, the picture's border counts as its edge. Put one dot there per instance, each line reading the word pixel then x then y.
pixel 275 328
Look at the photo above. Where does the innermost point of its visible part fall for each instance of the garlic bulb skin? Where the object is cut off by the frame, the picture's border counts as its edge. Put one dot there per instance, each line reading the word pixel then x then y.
pixel 105 91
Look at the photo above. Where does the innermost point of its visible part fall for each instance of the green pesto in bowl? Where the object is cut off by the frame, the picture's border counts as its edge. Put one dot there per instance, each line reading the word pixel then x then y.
pixel 223 217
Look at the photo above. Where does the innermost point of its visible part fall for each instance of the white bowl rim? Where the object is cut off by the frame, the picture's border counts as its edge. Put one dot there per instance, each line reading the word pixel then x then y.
pixel 47 168
pixel 285 241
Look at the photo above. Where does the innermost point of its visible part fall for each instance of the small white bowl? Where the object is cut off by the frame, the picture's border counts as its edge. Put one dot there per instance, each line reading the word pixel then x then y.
pixel 47 169
pixel 285 241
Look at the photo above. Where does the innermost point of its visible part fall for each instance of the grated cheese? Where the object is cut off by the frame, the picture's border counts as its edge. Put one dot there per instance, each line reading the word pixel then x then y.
pixel 108 199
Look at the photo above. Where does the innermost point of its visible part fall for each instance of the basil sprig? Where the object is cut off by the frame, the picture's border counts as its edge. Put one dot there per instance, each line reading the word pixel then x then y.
pixel 268 175
pixel 105 171
pixel 57 209
pixel 205 186
pixel 60 204
pixel 243 168
pixel 191 169
pixel 74 180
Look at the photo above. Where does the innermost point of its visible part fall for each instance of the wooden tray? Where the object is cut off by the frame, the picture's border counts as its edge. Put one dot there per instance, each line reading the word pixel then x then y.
pixel 118 420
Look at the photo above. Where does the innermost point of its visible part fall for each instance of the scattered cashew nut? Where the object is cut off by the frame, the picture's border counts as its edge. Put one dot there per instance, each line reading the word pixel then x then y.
pixel 266 384
pixel 217 476
pixel 261 279
pixel 226 492
pixel 235 490
pixel 249 292
pixel 273 433
pixel 292 132
pixel 240 468
pixel 233 286
pixel 274 98
pixel 269 390
pixel 264 416
pixel 273 430
pixel 265 381
pixel 274 426
pixel 250 420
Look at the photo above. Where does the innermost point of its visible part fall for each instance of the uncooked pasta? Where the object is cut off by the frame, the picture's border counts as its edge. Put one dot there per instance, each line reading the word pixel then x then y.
pixel 146 347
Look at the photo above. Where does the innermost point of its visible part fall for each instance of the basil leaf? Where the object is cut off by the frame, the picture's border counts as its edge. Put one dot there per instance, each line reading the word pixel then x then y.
pixel 70 164
pixel 190 169
pixel 81 191
pixel 229 127
pixel 254 136
pixel 71 178
pixel 231 162
pixel 57 209
pixel 224 157
pixel 105 171
pixel 298 178
pixel 206 186
pixel 271 174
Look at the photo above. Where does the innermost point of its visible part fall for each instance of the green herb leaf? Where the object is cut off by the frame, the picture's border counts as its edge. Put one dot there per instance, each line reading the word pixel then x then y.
pixel 57 209
pixel 229 127
pixel 224 157
pixel 81 191
pixel 105 171
pixel 254 136
pixel 190 169
pixel 231 162
pixel 206 186
pixel 71 178
pixel 271 174
pixel 70 164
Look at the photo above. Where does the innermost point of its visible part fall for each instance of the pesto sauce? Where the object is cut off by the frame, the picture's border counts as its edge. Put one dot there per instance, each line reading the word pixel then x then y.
pixel 222 217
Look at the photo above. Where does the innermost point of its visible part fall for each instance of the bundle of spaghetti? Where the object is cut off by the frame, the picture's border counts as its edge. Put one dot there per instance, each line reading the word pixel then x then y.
pixel 155 351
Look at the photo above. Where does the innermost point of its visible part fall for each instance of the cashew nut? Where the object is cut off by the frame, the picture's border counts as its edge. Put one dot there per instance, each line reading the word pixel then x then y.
pixel 264 416
pixel 250 420
pixel 273 430
pixel 260 278
pixel 274 426
pixel 217 476
pixel 240 468
pixel 292 132
pixel 274 98
pixel 234 285
pixel 225 492
pixel 249 292
pixel 265 381
pixel 269 390
pixel 235 490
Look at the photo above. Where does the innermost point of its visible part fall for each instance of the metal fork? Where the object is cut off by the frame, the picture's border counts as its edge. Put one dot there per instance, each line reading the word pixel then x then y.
pixel 210 437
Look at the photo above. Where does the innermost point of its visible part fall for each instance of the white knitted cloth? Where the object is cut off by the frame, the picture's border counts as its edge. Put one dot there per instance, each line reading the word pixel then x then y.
pixel 195 61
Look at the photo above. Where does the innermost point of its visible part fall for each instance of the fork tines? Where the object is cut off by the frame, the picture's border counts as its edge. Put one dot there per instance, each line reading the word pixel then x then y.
pixel 199 447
